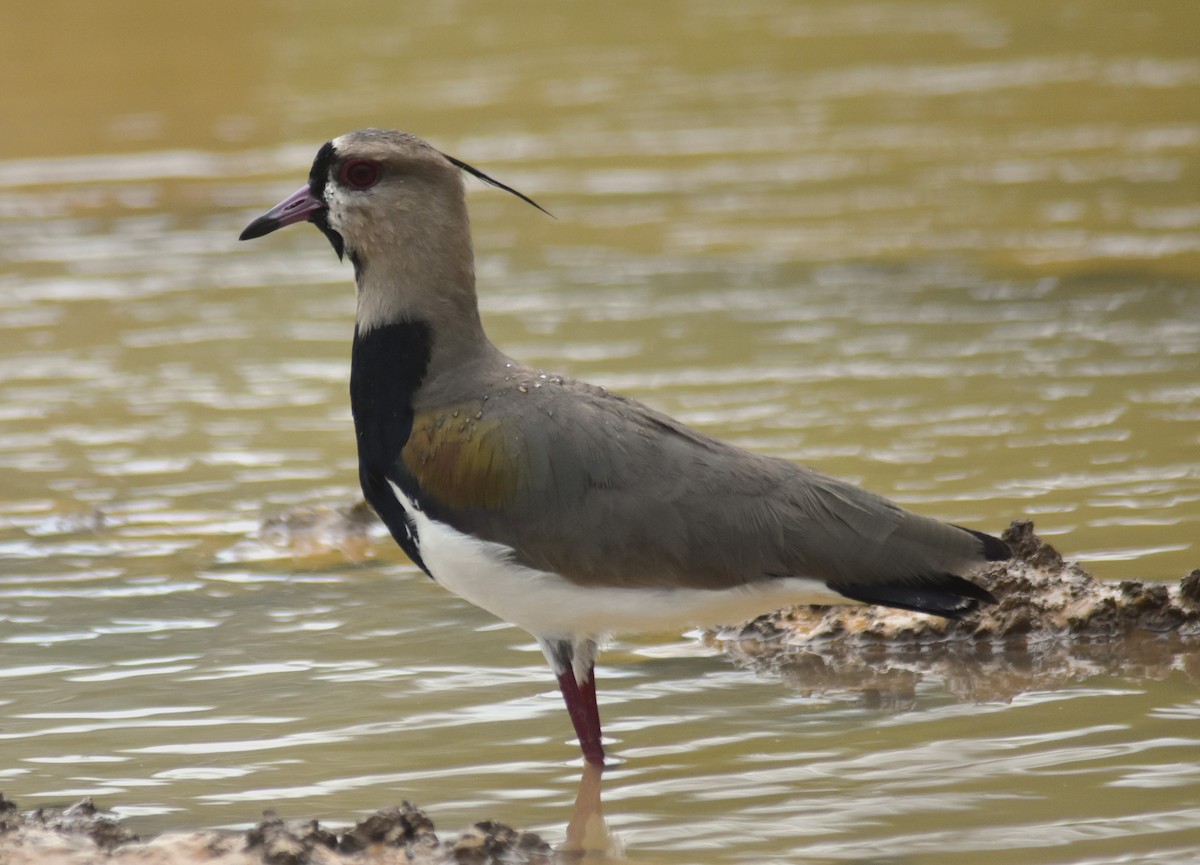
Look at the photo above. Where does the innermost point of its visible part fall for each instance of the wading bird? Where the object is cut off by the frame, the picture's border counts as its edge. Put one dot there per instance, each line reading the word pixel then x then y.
pixel 567 510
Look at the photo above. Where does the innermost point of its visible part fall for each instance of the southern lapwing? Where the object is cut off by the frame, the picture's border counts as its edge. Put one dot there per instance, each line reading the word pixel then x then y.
pixel 554 504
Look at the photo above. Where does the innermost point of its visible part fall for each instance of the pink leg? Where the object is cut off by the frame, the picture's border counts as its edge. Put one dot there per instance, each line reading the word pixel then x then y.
pixel 585 716
pixel 587 690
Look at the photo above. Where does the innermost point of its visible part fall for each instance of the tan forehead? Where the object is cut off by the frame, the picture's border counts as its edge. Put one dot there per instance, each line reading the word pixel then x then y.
pixel 386 147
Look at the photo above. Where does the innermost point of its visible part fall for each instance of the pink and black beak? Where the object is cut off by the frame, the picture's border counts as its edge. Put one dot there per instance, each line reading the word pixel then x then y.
pixel 305 204
pixel 300 206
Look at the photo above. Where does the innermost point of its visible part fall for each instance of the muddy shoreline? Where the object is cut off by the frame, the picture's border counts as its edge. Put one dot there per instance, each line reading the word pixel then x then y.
pixel 1053 624
pixel 400 835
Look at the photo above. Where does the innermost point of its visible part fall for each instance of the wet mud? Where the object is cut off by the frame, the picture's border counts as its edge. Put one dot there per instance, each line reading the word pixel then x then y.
pixel 402 835
pixel 1053 624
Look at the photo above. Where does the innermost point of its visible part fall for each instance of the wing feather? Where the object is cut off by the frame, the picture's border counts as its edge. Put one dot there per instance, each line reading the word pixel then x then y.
pixel 605 491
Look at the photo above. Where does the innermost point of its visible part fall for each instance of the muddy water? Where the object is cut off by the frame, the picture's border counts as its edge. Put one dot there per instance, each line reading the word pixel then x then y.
pixel 948 250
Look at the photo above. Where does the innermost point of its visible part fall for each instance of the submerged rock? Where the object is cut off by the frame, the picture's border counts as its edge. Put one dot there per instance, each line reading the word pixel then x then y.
pixel 1053 623
pixel 312 530
pixel 403 835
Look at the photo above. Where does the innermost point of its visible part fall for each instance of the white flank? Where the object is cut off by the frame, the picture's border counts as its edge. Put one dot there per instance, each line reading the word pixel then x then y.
pixel 547 605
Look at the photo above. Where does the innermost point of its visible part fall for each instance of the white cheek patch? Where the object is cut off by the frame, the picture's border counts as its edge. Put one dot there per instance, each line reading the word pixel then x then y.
pixel 335 207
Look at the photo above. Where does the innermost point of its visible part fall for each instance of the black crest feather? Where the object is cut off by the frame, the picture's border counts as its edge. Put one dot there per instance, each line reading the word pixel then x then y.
pixel 475 172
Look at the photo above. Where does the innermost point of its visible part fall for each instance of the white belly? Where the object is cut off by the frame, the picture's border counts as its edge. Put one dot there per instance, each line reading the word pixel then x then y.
pixel 547 605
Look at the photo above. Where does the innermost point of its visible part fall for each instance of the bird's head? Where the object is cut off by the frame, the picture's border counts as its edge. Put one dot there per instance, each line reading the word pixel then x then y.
pixel 395 206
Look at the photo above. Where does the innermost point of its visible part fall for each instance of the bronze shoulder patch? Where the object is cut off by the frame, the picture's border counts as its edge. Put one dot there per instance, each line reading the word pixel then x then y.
pixel 462 459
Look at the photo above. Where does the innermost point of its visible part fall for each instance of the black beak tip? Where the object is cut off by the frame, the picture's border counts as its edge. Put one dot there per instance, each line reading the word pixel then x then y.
pixel 258 228
pixel 301 206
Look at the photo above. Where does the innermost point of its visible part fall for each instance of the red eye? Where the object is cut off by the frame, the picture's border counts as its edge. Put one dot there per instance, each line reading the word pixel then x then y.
pixel 359 173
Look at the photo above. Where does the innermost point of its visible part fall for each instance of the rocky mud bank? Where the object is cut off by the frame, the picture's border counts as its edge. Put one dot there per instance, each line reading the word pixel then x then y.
pixel 1053 623
pixel 402 835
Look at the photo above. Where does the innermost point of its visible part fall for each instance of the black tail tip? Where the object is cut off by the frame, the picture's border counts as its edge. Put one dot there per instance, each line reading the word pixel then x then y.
pixel 945 595
pixel 994 549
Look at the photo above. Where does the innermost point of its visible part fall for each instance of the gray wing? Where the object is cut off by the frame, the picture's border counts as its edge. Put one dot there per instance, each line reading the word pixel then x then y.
pixel 609 492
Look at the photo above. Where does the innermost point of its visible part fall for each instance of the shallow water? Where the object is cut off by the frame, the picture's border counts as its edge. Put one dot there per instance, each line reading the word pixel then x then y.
pixel 947 250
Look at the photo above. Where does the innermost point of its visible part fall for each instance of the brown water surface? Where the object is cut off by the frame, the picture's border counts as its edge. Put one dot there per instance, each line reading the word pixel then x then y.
pixel 948 250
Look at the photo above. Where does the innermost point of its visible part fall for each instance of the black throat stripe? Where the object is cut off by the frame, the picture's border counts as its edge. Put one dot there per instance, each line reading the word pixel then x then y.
pixel 387 366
